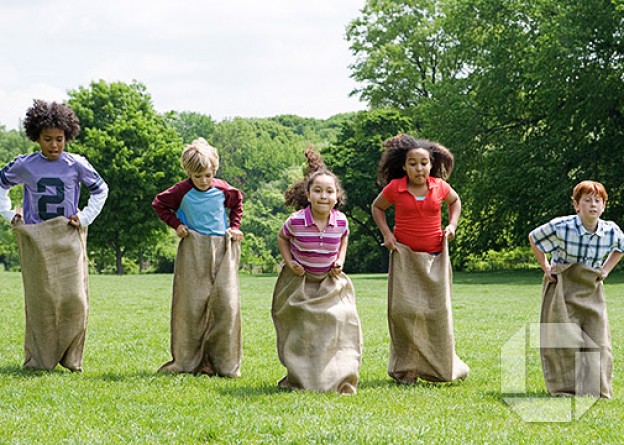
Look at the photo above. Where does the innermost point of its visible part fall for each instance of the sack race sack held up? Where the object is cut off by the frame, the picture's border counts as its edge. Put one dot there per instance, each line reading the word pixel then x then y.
pixel 206 333
pixel 422 344
pixel 319 339
pixel 55 275
pixel 575 342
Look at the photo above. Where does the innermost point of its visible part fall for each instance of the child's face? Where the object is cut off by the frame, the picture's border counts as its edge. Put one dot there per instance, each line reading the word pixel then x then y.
pixel 52 142
pixel 417 166
pixel 590 207
pixel 322 194
pixel 202 180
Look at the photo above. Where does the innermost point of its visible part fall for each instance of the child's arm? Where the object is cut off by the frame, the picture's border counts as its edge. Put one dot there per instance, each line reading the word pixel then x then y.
pixel 5 205
pixel 454 210
pixel 94 207
pixel 614 257
pixel 378 209
pixel 283 244
pixel 167 203
pixel 543 262
pixel 234 202
pixel 342 255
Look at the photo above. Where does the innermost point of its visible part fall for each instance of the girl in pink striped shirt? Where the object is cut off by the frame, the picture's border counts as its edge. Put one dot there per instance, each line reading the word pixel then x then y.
pixel 319 339
pixel 314 239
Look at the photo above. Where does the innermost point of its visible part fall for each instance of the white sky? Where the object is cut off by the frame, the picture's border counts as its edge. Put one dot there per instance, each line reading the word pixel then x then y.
pixel 224 58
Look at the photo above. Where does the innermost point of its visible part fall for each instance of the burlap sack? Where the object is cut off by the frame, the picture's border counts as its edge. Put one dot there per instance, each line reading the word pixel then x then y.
pixel 205 312
pixel 55 275
pixel 575 342
pixel 420 318
pixel 319 339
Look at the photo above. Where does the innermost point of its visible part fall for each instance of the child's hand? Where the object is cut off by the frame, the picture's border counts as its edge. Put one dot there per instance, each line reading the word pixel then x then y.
pixel 336 269
pixel 549 275
pixel 603 275
pixel 449 231
pixel 17 219
pixel 390 242
pixel 296 268
pixel 74 221
pixel 236 234
pixel 182 231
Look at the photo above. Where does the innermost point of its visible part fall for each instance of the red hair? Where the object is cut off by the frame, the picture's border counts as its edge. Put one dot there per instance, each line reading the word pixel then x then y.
pixel 589 188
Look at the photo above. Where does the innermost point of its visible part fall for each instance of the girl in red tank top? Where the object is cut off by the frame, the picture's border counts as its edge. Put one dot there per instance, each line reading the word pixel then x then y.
pixel 413 172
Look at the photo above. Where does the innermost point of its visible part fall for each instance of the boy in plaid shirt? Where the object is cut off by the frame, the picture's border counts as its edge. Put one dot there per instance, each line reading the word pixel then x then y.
pixel 584 250
pixel 581 238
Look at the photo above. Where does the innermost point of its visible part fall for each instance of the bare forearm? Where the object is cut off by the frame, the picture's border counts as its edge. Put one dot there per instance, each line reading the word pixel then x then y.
pixel 612 260
pixel 454 212
pixel 379 216
pixel 541 257
pixel 284 248
pixel 342 252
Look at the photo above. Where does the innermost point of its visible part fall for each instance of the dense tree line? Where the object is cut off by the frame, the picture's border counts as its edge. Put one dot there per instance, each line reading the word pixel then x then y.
pixel 528 95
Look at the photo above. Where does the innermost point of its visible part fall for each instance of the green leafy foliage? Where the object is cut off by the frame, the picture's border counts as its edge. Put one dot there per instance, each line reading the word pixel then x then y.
pixel 527 95
pixel 137 154
pixel 191 125
pixel 354 158
pixel 12 144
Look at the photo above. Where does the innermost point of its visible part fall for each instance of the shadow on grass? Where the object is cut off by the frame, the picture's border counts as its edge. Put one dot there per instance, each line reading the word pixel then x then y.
pixel 391 383
pixel 246 392
pixel 128 376
pixel 20 371
pixel 497 395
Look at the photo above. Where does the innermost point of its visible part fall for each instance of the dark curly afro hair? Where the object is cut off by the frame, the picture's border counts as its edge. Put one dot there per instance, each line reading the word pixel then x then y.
pixel 396 149
pixel 44 114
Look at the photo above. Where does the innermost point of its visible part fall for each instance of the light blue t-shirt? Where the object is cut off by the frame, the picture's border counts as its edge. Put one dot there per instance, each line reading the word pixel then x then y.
pixel 204 212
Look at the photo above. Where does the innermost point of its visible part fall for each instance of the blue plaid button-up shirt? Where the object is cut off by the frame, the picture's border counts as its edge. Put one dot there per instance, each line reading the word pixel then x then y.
pixel 569 242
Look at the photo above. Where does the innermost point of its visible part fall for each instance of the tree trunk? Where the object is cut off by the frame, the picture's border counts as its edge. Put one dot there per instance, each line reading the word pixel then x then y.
pixel 118 257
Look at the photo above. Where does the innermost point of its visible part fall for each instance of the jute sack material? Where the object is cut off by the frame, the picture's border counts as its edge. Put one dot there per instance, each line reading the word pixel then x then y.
pixel 575 342
pixel 206 333
pixel 319 339
pixel 422 344
pixel 55 275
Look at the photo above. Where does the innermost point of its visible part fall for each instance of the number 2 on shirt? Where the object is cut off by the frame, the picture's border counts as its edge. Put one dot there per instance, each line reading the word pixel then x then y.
pixel 57 198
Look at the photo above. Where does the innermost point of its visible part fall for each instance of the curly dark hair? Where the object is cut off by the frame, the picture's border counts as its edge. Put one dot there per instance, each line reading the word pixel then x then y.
pixel 295 195
pixel 44 115
pixel 393 159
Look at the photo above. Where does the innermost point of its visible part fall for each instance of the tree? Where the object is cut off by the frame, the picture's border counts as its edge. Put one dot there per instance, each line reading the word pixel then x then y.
pixel 255 151
pixel 401 52
pixel 137 154
pixel 545 108
pixel 527 94
pixel 316 131
pixel 12 144
pixel 354 160
pixel 191 125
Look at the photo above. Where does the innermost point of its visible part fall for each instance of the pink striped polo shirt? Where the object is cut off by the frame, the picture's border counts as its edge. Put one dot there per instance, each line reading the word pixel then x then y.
pixel 315 250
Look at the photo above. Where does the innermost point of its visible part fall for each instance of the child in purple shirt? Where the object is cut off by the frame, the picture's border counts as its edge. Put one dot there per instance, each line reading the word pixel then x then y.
pixel 52 236
pixel 52 177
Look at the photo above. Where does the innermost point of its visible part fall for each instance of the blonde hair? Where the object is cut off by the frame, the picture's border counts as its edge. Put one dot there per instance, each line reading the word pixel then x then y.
pixel 198 156
pixel 591 188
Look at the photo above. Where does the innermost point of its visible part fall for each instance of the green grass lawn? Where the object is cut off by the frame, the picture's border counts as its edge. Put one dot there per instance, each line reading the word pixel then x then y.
pixel 120 399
